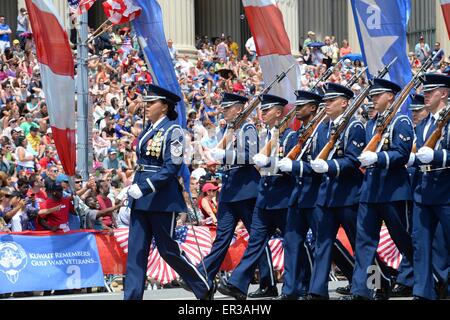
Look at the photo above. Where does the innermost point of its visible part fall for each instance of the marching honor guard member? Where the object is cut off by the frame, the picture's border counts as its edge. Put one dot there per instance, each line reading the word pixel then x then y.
pixel 385 192
pixel 270 211
pixel 156 197
pixel 301 206
pixel 338 199
pixel 432 193
pixel 239 190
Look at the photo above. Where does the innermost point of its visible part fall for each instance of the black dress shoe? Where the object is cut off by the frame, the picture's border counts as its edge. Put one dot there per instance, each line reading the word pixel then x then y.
pixel 232 291
pixel 344 290
pixel 184 285
pixel 313 296
pixel 353 297
pixel 210 294
pixel 285 297
pixel 401 291
pixel 441 290
pixel 267 292
pixel 381 294
pixel 419 298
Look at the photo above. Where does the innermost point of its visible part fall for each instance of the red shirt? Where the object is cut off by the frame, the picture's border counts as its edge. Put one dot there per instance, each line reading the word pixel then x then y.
pixel 59 217
pixel 105 203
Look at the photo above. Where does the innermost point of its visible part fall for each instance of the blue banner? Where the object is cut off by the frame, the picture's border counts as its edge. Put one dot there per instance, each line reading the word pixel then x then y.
pixel 381 27
pixel 38 263
pixel 149 29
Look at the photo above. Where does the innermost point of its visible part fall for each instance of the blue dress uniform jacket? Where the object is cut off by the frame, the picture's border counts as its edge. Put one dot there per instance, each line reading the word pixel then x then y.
pixel 307 180
pixel 387 180
pixel 240 181
pixel 341 185
pixel 433 187
pixel 274 191
pixel 160 150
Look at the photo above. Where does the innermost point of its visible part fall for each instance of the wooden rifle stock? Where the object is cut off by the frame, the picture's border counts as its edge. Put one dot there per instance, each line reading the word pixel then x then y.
pixel 239 121
pixel 392 111
pixel 444 117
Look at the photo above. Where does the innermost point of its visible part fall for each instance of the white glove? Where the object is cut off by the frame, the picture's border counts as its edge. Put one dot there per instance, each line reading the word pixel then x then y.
pixel 285 165
pixel 425 154
pixel 260 160
pixel 368 158
pixel 319 166
pixel 135 192
pixel 412 158
pixel 217 154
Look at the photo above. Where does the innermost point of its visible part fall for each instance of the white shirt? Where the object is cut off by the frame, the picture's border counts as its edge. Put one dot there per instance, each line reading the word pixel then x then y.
pixel 431 119
pixel 250 45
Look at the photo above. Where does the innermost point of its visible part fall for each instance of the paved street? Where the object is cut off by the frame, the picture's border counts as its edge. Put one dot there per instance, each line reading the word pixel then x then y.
pixel 167 294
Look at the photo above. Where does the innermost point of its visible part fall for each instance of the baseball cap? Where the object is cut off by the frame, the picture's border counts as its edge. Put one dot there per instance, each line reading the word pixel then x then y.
pixel 112 150
pixel 16 41
pixel 209 186
pixel 62 178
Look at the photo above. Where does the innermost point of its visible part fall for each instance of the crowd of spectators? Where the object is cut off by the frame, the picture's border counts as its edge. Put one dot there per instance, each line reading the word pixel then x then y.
pixel 35 194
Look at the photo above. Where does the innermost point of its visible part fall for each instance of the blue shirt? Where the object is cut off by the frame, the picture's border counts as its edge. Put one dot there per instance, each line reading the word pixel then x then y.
pixel 4 37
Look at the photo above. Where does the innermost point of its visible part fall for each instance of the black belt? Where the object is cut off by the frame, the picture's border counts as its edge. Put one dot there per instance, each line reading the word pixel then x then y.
pixel 231 166
pixel 146 168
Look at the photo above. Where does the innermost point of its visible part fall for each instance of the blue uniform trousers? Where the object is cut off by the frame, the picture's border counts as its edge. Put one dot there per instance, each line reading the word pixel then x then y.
pixel 161 225
pixel 439 258
pixel 425 221
pixel 298 257
pixel 264 224
pixel 369 221
pixel 228 215
pixel 328 222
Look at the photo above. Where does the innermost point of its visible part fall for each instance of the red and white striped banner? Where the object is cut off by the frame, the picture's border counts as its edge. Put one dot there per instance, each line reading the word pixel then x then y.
pixel 272 45
pixel 57 71
pixel 445 5
pixel 387 250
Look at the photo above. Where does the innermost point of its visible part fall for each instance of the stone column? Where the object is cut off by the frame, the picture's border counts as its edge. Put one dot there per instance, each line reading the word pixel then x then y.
pixel 289 8
pixel 352 34
pixel 179 24
pixel 62 7
pixel 442 35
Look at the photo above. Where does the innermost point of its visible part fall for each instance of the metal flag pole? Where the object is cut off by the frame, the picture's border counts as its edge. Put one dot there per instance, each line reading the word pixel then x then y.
pixel 82 98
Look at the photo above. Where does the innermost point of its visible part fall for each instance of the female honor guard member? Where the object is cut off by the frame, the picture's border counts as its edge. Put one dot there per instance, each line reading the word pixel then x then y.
pixel 270 212
pixel 157 198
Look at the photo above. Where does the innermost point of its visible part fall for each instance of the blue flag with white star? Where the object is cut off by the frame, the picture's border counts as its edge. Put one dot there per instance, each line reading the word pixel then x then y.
pixel 150 32
pixel 381 27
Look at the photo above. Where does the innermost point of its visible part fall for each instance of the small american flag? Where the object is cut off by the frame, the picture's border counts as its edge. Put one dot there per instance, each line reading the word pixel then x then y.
pixel 387 250
pixel 80 6
pixel 157 268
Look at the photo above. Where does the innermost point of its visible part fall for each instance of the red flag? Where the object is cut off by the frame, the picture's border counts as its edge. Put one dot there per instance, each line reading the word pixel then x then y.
pixel 84 6
pixel 57 70
pixel 445 5
pixel 121 11
pixel 272 46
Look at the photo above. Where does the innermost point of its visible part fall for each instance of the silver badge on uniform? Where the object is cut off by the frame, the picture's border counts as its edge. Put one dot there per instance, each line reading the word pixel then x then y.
pixel 403 138
pixel 176 148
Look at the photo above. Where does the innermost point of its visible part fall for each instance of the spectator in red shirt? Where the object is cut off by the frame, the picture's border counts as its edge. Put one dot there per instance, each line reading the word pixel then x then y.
pixel 104 202
pixel 54 212
pixel 47 139
pixel 48 158
pixel 37 188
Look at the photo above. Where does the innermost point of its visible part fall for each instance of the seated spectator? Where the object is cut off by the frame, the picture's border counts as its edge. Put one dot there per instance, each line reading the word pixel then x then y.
pixel 25 158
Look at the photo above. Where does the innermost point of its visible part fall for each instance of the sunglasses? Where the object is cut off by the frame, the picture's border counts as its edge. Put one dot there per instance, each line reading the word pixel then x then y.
pixel 54 171
pixel 78 181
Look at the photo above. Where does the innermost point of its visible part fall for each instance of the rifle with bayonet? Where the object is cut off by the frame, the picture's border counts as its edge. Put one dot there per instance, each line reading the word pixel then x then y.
pixel 384 121
pixel 240 119
pixel 348 114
